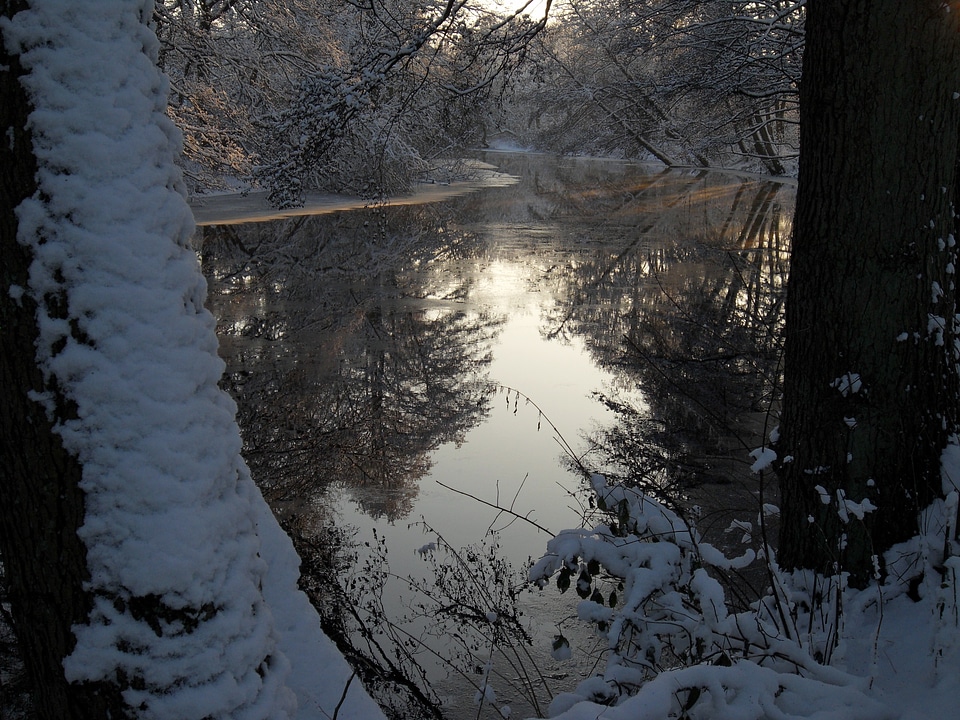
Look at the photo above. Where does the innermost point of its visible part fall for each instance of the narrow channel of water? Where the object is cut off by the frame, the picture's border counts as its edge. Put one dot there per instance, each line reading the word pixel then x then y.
pixel 399 370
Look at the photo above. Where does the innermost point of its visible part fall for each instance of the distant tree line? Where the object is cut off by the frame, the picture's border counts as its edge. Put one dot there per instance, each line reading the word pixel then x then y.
pixel 363 96
pixel 701 82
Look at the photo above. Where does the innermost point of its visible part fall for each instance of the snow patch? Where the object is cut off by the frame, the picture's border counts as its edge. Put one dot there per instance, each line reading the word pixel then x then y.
pixel 936 292
pixel 764 457
pixel 848 384
pixel 847 507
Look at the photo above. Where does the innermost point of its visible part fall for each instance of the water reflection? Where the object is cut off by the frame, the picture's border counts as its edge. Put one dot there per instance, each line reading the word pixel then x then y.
pixel 639 308
pixel 688 307
pixel 674 282
pixel 348 363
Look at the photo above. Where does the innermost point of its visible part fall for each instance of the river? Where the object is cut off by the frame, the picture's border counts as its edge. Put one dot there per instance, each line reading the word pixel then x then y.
pixel 421 386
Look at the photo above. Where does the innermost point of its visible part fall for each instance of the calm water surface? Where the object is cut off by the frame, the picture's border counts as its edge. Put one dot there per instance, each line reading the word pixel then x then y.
pixel 399 370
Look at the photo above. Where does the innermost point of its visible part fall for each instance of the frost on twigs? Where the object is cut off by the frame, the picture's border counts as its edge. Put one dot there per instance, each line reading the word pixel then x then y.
pixel 334 137
pixel 675 649
pixel 178 618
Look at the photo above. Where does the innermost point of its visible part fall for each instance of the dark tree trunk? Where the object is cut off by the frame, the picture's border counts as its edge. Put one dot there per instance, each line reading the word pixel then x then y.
pixel 871 274
pixel 41 505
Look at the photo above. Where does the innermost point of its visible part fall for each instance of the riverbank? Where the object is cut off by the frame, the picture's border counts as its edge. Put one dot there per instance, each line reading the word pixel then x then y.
pixel 236 208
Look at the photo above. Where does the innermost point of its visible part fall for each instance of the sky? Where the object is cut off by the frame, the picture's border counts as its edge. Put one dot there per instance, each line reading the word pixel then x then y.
pixel 535 6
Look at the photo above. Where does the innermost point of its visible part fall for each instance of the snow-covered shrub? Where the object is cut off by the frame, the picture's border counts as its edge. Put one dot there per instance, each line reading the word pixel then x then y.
pixel 674 649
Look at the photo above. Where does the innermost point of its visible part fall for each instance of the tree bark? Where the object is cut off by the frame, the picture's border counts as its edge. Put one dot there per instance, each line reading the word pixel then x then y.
pixel 41 504
pixel 870 368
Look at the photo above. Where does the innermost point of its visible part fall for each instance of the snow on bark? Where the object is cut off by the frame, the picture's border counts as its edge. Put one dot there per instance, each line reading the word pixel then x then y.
pixel 179 619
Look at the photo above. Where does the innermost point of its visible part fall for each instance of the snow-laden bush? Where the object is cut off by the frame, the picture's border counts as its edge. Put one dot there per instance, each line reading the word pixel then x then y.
pixel 809 648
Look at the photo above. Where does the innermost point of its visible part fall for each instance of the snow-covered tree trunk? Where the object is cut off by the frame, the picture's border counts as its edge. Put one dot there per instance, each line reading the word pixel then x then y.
pixel 42 506
pixel 870 396
pixel 127 511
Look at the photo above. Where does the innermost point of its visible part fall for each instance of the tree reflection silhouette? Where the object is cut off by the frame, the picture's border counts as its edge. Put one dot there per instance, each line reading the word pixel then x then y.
pixel 687 308
pixel 347 362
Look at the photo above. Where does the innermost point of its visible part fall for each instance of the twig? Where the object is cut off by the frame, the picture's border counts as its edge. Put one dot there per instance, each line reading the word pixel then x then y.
pixel 558 436
pixel 508 511
pixel 343 696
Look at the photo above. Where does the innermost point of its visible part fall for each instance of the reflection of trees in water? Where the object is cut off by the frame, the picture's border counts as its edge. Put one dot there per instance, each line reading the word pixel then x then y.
pixel 688 308
pixel 347 363
pixel 675 281
pixel 419 383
